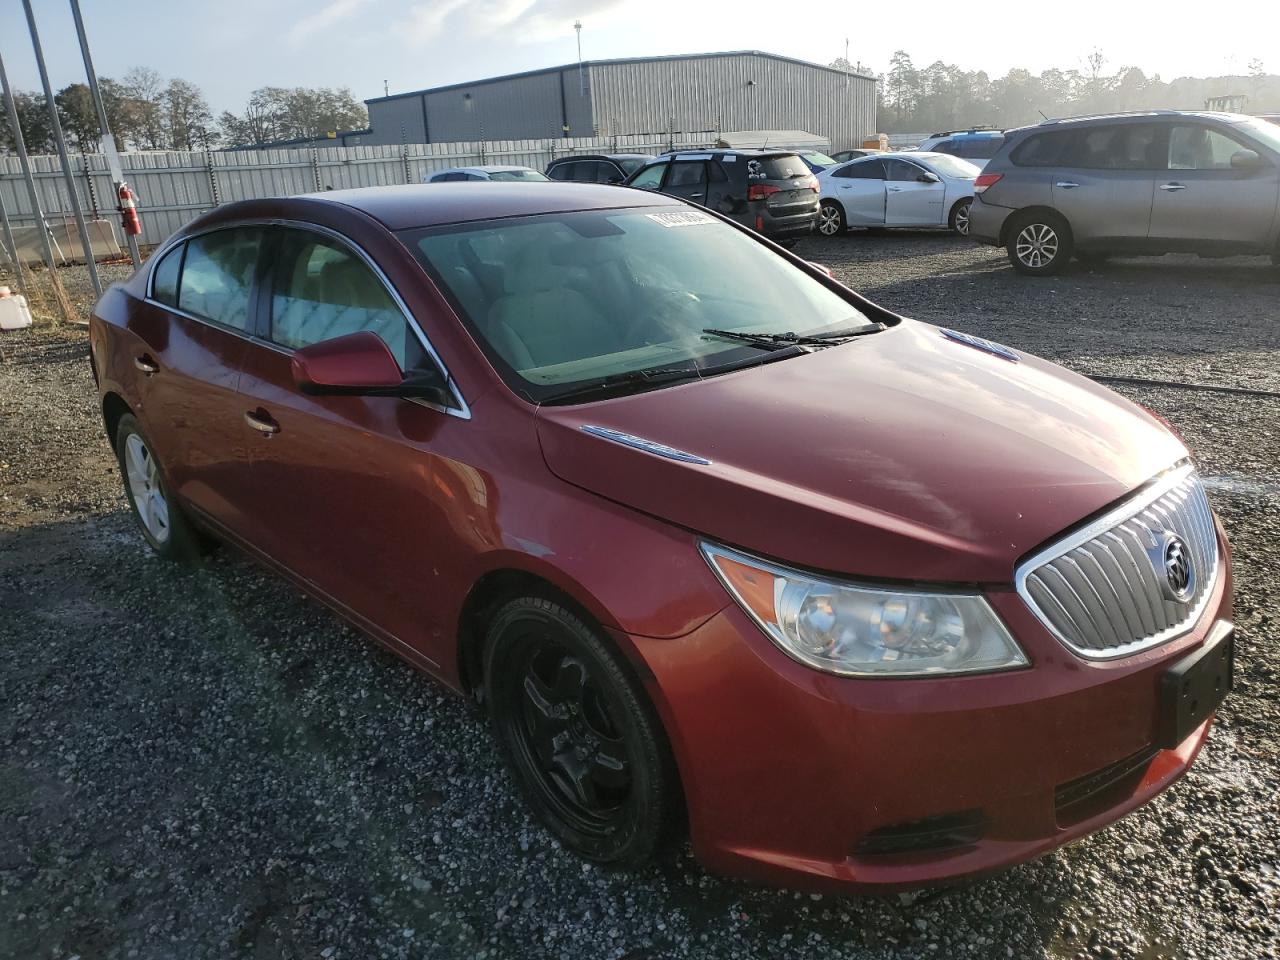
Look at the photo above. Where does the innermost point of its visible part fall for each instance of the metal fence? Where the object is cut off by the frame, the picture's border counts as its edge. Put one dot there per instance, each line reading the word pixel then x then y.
pixel 174 187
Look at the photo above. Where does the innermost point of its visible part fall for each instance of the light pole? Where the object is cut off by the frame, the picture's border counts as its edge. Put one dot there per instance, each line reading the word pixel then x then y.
pixel 582 86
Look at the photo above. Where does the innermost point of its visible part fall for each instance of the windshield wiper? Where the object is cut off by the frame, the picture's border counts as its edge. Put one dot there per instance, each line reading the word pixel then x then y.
pixel 650 376
pixel 849 332
pixel 766 341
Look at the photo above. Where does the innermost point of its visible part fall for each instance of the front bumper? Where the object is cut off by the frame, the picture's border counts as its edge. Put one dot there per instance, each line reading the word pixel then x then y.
pixel 797 778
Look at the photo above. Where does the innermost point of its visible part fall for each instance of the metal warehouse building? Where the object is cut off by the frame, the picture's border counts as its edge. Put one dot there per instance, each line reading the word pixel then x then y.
pixel 743 90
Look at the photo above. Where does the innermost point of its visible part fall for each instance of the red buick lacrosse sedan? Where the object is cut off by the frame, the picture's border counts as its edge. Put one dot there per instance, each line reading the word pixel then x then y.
pixel 714 540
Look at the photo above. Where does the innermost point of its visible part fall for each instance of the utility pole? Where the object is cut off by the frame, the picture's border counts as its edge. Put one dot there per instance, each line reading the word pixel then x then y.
pixel 108 141
pixel 42 228
pixel 61 143
pixel 582 84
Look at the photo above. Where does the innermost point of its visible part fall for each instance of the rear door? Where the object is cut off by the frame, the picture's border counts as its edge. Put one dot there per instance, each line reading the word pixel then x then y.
pixel 860 188
pixel 687 179
pixel 192 339
pixel 1204 199
pixel 350 495
pixel 915 197
pixel 1106 182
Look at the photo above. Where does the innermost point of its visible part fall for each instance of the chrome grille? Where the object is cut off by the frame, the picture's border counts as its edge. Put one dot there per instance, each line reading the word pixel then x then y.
pixel 1103 590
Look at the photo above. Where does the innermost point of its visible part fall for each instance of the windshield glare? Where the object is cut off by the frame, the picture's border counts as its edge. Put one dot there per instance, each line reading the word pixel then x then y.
pixel 632 164
pixel 516 175
pixel 821 159
pixel 954 167
pixel 561 300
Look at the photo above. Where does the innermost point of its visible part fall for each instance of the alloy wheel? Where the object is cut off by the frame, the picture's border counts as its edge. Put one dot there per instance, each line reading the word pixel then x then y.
pixel 1037 245
pixel 830 222
pixel 144 487
pixel 567 738
pixel 962 220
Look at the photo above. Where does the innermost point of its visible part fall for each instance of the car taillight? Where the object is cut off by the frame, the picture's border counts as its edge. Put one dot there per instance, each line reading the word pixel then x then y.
pixel 985 180
pixel 758 191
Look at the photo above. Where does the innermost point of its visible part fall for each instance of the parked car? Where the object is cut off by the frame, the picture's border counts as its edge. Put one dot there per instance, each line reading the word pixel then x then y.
pixel 864 600
pixel 597 168
pixel 977 145
pixel 1148 183
pixel 815 161
pixel 770 191
pixel 1270 117
pixel 915 190
pixel 489 172
pixel 841 156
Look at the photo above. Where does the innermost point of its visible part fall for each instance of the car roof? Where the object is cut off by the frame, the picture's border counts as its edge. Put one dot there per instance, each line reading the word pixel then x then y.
pixel 1130 116
pixel 486 168
pixel 404 206
pixel 601 156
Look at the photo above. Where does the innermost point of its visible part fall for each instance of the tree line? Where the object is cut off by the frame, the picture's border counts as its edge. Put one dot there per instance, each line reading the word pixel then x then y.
pixel 147 112
pixel 942 96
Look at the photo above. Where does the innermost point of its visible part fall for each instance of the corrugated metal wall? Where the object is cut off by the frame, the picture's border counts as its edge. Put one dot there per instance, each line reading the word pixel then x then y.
pixel 736 92
pixel 174 187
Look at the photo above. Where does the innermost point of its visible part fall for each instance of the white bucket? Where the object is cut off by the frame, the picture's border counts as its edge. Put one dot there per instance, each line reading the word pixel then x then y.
pixel 14 314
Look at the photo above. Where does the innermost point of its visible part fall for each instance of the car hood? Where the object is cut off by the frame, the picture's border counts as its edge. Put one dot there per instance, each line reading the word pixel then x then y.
pixel 903 455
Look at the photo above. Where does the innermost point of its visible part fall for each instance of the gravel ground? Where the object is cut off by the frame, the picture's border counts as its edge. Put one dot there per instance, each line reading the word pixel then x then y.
pixel 202 763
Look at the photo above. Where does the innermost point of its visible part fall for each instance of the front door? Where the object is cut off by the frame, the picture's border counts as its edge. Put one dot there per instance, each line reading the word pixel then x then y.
pixel 1205 198
pixel 914 196
pixel 351 496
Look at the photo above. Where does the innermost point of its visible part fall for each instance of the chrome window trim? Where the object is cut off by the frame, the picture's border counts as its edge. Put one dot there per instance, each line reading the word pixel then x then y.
pixel 462 411
pixel 1132 506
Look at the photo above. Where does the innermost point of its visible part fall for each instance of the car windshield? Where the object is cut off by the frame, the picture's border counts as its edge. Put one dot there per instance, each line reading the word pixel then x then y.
pixel 561 300
pixel 954 167
pixel 516 175
pixel 820 159
pixel 1266 131
pixel 631 164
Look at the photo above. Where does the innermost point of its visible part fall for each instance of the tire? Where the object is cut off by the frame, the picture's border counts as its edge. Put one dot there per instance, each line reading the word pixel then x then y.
pixel 1039 244
pixel 578 733
pixel 959 219
pixel 831 219
pixel 163 524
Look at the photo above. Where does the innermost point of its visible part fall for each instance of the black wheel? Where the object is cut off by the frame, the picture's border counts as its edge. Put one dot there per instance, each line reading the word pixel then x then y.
pixel 959 220
pixel 1039 243
pixel 164 526
pixel 831 219
pixel 583 741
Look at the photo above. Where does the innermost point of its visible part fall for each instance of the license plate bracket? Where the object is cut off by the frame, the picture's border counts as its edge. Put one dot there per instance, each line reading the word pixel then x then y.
pixel 1194 687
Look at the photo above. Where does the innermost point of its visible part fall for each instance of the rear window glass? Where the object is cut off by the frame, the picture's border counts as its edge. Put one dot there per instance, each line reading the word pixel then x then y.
pixel 977 148
pixel 783 167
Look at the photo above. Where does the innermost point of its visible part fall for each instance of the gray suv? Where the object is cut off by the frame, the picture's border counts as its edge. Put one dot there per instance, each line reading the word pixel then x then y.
pixel 1148 183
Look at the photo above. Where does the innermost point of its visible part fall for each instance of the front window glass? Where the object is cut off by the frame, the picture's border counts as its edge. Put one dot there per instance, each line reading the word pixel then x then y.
pixel 217 275
pixel 322 291
pixel 650 178
pixel 568 298
pixel 1193 147
pixel 902 172
pixel 516 175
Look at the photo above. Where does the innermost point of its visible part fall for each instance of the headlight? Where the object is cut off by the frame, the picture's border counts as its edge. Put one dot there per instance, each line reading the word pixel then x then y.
pixel 866 631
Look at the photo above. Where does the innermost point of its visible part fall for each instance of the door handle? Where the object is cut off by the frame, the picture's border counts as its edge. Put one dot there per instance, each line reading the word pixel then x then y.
pixel 895 189
pixel 261 421
pixel 146 364
pixel 1171 187
pixel 1067 184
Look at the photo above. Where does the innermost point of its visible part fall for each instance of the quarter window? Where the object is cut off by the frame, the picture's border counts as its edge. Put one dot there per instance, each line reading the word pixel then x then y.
pixel 164 279
pixel 1193 147
pixel 217 276
pixel 322 291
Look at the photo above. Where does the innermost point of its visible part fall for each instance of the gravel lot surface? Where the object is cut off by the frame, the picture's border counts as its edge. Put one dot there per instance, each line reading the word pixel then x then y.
pixel 202 763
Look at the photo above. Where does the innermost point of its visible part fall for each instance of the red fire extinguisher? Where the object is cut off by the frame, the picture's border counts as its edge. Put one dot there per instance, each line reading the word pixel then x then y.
pixel 129 219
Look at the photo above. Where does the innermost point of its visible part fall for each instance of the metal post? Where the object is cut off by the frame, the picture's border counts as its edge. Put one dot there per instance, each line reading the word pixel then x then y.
pixel 582 84
pixel 37 211
pixel 61 143
pixel 11 247
pixel 108 141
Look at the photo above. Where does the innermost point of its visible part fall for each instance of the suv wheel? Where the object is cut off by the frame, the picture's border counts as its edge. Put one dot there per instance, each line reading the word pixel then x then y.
pixel 1039 244
pixel 960 217
pixel 831 219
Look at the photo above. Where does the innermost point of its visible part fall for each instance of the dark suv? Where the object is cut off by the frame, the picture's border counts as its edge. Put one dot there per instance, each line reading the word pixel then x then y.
pixel 1149 183
pixel 597 167
pixel 770 191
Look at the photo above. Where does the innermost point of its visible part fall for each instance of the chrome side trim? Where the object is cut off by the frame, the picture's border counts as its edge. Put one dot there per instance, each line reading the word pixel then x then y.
pixel 648 446
pixel 462 411
pixel 1130 596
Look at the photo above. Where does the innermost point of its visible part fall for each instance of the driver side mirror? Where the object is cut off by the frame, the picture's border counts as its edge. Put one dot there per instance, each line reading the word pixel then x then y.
pixel 1247 160
pixel 928 178
pixel 361 365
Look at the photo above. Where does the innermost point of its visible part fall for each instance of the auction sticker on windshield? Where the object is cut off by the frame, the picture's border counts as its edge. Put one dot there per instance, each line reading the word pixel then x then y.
pixel 681 219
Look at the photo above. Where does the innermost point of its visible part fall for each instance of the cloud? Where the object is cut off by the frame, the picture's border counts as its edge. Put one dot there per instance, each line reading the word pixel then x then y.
pixel 323 18
pixel 524 21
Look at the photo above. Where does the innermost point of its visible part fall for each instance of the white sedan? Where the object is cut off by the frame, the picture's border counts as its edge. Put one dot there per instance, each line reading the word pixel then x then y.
pixel 897 190
pixel 490 172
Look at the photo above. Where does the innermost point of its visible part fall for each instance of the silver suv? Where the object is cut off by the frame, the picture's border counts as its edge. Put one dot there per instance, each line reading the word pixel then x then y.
pixel 1147 183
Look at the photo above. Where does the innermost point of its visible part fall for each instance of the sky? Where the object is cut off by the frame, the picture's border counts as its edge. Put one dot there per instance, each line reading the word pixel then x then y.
pixel 230 47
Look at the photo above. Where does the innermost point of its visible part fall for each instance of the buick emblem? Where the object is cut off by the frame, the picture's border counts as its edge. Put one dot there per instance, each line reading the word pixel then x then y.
pixel 1179 574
